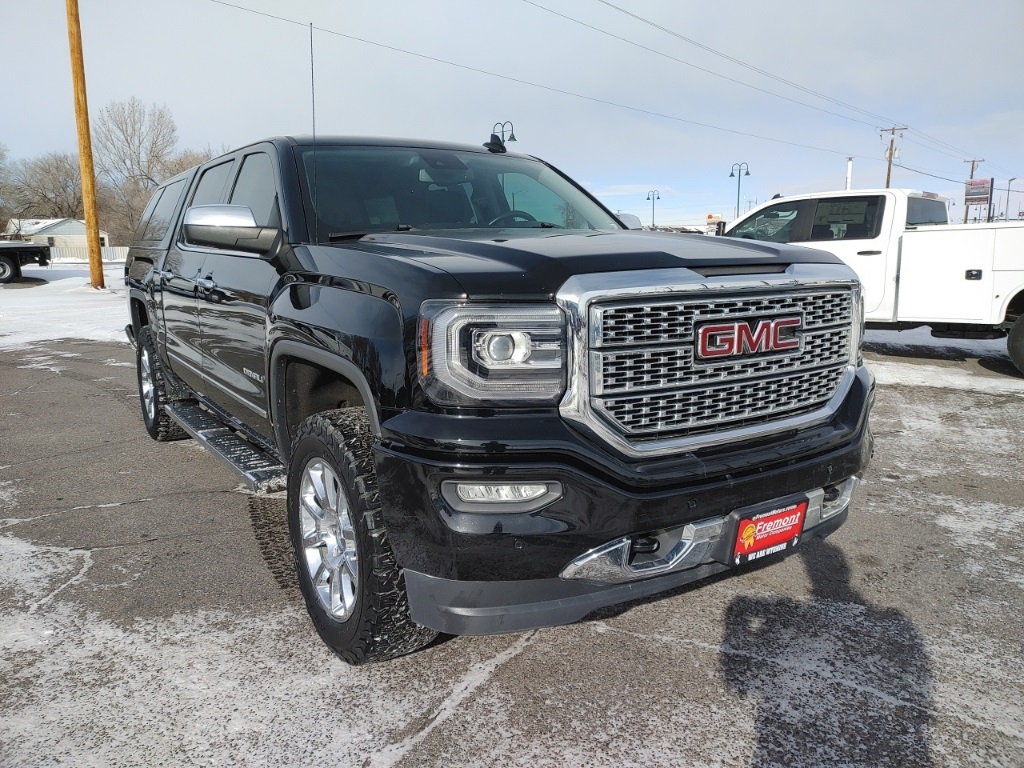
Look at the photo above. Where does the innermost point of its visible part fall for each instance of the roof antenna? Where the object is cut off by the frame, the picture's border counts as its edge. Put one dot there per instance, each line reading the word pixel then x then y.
pixel 495 145
pixel 312 99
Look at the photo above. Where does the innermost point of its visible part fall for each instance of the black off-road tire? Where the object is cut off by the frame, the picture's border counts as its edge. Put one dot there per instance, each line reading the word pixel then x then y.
pixel 153 391
pixel 10 270
pixel 1015 344
pixel 377 627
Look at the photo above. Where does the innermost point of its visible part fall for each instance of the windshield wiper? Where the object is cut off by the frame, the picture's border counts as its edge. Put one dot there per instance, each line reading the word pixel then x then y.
pixel 356 234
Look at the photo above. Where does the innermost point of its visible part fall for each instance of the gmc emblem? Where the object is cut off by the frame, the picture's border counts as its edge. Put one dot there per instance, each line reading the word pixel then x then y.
pixel 743 338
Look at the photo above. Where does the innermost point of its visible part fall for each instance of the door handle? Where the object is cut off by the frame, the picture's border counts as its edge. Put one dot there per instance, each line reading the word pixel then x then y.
pixel 206 284
pixel 166 274
pixel 869 253
pixel 972 274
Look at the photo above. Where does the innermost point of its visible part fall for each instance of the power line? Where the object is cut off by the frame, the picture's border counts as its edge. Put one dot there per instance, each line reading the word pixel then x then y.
pixel 744 64
pixel 584 97
pixel 932 175
pixel 694 66
pixel 770 75
pixel 541 86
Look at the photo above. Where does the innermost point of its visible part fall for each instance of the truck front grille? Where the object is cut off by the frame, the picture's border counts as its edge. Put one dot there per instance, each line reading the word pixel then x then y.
pixel 647 377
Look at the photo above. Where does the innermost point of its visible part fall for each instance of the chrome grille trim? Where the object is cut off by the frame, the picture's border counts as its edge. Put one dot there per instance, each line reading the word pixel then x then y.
pixel 674 321
pixel 713 406
pixel 638 370
pixel 633 380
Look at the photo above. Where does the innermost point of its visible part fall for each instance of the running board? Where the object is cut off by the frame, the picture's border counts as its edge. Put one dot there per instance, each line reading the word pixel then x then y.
pixel 259 471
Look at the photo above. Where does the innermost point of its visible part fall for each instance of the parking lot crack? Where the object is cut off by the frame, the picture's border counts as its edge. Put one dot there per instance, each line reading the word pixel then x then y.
pixel 77 578
pixel 475 676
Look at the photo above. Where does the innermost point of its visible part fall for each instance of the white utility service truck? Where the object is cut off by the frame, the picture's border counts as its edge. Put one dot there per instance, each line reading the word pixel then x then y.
pixel 961 280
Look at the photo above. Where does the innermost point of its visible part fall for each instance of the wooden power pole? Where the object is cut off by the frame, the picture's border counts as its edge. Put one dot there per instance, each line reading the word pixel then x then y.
pixel 890 152
pixel 92 226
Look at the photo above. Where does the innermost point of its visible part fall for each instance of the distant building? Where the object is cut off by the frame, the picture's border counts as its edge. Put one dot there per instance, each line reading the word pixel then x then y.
pixel 59 233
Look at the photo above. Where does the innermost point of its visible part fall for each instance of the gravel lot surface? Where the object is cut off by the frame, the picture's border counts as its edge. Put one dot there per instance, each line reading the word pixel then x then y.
pixel 149 615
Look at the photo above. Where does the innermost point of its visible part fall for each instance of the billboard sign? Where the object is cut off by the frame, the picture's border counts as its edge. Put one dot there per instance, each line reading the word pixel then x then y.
pixel 977 192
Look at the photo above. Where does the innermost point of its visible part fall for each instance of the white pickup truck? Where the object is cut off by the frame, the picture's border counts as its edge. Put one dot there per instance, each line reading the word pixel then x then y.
pixel 962 280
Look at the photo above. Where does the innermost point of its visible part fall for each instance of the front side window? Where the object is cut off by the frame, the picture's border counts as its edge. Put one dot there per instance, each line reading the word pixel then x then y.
pixel 255 188
pixel 775 224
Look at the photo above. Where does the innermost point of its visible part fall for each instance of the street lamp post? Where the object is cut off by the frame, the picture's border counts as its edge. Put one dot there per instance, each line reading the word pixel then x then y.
pixel 739 170
pixel 499 128
pixel 1008 197
pixel 652 196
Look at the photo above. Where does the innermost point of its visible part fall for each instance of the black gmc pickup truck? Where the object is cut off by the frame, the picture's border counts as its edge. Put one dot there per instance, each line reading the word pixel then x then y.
pixel 493 407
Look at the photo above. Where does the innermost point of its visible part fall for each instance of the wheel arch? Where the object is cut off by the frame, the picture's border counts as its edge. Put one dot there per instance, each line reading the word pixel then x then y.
pixel 305 380
pixel 138 312
pixel 1015 306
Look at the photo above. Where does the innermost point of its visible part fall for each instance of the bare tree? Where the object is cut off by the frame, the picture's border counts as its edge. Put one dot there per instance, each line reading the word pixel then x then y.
pixel 190 158
pixel 135 150
pixel 49 186
pixel 134 142
pixel 5 189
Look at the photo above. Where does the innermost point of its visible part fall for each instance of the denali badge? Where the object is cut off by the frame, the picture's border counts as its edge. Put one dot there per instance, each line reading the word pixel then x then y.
pixel 743 338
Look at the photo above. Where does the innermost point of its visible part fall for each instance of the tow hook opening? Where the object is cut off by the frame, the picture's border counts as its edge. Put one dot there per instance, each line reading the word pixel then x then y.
pixel 645 544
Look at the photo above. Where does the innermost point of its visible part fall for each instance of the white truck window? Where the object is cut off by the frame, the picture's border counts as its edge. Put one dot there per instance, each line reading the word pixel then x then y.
pixel 847 218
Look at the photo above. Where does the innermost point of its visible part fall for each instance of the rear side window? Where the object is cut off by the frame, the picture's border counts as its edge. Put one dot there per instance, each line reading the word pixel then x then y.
pixel 923 210
pixel 847 218
pixel 160 219
pixel 147 214
pixel 212 183
pixel 255 188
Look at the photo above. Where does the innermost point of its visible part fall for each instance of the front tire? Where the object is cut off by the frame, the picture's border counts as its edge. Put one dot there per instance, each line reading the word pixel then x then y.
pixel 153 391
pixel 1015 344
pixel 352 585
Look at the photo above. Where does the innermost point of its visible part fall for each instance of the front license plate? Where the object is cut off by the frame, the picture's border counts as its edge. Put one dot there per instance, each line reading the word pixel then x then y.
pixel 766 533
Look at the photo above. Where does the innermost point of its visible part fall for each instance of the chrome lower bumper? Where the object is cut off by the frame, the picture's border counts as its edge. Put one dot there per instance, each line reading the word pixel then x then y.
pixel 687 546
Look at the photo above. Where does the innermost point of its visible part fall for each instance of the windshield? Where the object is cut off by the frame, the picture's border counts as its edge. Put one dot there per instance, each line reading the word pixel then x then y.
pixel 356 190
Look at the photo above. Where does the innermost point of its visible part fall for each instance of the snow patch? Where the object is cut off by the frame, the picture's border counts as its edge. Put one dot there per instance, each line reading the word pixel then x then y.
pixel 922 375
pixel 9 493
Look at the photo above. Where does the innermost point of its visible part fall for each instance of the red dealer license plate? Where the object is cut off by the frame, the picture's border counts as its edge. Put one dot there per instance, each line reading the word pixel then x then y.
pixel 766 533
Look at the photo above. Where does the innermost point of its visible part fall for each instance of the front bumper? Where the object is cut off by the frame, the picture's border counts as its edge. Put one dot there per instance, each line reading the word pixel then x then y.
pixel 493 607
pixel 484 573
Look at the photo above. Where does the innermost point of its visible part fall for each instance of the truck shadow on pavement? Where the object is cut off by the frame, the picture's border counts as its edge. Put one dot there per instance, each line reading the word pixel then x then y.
pixel 996 363
pixel 836 680
pixel 269 517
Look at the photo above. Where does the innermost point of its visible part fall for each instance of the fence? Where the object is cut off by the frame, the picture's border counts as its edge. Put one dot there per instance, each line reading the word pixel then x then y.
pixel 81 253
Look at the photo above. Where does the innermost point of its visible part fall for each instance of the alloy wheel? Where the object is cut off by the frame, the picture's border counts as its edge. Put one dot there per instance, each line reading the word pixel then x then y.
pixel 328 539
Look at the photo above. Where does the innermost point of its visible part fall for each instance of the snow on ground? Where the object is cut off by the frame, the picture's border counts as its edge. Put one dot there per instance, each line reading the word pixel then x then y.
pixel 65 307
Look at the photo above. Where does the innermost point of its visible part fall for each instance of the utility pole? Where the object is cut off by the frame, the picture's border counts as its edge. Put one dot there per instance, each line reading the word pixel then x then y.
pixel 891 151
pixel 974 164
pixel 92 227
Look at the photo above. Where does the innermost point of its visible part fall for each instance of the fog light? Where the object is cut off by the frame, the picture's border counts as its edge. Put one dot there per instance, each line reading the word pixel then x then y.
pixel 477 496
pixel 498 494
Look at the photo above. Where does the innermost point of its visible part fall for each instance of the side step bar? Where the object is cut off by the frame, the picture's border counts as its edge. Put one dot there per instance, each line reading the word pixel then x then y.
pixel 258 470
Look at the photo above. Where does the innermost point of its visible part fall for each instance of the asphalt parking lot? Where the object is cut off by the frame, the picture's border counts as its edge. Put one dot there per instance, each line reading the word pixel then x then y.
pixel 148 614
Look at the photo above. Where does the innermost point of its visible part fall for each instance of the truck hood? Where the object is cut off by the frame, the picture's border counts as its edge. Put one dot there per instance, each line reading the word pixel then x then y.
pixel 538 262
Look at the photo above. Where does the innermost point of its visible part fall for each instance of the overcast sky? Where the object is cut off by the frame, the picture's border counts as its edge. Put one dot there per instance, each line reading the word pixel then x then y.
pixel 626 96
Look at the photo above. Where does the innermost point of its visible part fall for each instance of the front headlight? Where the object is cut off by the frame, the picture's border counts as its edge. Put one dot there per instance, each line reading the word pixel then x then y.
pixel 474 354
